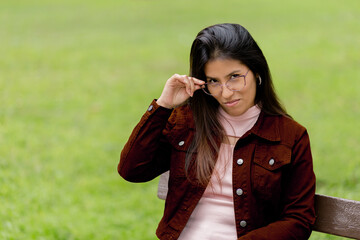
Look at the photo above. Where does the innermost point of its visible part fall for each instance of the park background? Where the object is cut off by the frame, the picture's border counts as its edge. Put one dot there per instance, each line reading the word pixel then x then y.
pixel 76 76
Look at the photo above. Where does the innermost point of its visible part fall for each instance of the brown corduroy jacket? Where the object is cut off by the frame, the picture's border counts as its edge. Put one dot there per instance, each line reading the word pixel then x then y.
pixel 272 166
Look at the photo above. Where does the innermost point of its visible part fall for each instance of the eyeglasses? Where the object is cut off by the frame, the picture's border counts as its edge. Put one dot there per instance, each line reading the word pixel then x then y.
pixel 235 83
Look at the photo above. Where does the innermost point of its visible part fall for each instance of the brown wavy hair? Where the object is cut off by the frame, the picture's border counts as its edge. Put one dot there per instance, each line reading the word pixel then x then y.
pixel 226 41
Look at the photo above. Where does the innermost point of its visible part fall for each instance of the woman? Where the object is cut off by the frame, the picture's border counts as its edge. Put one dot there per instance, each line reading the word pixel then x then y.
pixel 240 167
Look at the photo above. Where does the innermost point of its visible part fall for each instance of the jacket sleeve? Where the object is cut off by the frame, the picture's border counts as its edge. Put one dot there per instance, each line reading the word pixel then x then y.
pixel 298 214
pixel 146 153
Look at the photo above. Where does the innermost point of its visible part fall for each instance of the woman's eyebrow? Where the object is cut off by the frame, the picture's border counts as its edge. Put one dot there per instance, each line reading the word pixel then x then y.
pixel 236 71
pixel 228 75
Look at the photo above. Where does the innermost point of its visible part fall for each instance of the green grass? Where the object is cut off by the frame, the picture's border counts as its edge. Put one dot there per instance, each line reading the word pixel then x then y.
pixel 75 77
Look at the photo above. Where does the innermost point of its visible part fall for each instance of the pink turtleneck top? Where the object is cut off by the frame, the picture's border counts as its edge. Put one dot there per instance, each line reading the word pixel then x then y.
pixel 214 218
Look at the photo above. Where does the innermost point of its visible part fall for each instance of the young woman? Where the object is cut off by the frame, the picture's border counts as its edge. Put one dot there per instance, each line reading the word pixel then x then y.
pixel 240 167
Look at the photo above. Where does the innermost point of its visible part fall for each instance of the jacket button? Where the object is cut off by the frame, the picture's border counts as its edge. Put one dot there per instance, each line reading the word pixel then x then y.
pixel 243 223
pixel 239 191
pixel 181 143
pixel 271 162
pixel 240 161
pixel 150 108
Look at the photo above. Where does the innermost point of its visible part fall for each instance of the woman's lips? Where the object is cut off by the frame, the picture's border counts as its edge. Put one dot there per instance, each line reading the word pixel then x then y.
pixel 231 103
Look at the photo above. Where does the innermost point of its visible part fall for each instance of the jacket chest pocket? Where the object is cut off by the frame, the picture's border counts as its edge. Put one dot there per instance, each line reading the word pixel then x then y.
pixel 270 161
pixel 180 139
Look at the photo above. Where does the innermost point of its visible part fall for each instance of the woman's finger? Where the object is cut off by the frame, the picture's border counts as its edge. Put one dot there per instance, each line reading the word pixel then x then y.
pixel 185 80
pixel 179 81
pixel 198 81
pixel 198 84
pixel 192 85
pixel 197 87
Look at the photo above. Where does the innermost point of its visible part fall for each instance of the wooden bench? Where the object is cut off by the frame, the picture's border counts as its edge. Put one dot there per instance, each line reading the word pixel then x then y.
pixel 336 216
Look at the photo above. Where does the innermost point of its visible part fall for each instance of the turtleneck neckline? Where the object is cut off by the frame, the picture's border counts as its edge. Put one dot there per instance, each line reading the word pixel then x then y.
pixel 237 125
pixel 250 113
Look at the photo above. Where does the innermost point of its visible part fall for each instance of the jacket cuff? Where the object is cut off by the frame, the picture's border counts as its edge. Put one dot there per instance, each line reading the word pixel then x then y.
pixel 158 111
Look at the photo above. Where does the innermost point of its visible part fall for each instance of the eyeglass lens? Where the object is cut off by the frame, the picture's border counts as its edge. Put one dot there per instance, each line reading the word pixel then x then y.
pixel 234 84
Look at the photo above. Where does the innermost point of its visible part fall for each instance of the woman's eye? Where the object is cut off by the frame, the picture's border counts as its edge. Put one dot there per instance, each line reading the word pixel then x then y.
pixel 235 76
pixel 212 81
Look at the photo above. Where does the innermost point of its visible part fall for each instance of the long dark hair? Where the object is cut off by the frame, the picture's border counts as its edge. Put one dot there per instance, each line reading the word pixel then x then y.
pixel 227 41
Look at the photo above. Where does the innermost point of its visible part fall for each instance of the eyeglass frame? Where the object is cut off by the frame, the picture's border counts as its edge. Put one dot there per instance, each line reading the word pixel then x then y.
pixel 222 84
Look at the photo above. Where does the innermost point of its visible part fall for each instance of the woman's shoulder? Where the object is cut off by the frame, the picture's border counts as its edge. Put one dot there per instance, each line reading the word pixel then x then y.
pixel 182 115
pixel 285 127
pixel 289 122
pixel 291 130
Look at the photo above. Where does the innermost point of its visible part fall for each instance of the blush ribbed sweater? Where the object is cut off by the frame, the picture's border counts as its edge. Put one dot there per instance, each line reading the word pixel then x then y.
pixel 213 217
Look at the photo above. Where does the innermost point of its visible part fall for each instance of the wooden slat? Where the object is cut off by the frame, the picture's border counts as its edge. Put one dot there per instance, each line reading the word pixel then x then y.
pixel 337 216
pixel 334 216
pixel 163 185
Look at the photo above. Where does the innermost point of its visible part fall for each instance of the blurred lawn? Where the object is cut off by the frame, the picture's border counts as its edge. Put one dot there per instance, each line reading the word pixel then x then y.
pixel 75 77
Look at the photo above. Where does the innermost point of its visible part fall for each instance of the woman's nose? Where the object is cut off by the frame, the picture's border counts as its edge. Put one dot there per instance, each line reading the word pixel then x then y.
pixel 226 93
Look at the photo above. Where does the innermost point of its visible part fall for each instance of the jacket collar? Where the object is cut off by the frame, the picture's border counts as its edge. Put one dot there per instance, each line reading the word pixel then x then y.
pixel 267 127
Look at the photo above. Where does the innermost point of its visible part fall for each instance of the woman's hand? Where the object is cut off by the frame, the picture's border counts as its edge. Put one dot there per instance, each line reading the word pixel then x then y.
pixel 178 89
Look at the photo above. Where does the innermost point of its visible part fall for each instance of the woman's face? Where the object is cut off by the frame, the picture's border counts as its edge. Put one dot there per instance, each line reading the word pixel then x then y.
pixel 234 103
